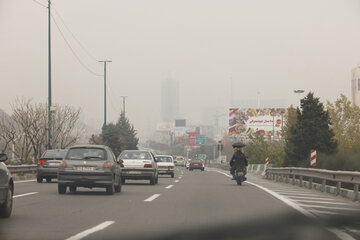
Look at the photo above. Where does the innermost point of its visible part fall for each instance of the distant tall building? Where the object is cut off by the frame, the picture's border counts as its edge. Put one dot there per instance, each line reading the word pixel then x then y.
pixel 355 86
pixel 170 99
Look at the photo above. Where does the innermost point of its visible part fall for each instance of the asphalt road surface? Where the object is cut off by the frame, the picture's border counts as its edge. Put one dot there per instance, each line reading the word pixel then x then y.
pixel 192 203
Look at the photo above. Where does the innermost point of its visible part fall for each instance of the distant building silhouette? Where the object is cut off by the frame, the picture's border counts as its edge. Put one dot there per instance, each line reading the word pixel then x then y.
pixel 170 99
pixel 355 86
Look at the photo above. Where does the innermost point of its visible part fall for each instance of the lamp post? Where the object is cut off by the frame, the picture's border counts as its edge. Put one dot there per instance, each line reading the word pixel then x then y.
pixel 105 61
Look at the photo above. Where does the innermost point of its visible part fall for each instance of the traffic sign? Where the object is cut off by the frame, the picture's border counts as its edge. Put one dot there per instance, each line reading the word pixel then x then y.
pixel 200 139
pixel 202 156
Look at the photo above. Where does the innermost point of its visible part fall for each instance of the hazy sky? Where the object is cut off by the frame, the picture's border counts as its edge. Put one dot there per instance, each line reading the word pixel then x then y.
pixel 274 46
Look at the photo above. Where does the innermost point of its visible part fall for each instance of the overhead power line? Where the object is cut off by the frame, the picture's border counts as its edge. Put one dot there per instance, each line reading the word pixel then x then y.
pixel 39 3
pixel 72 50
pixel 73 35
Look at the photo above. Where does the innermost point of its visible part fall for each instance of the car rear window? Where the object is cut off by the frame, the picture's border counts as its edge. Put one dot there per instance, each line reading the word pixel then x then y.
pixel 54 154
pixel 135 155
pixel 163 159
pixel 197 161
pixel 88 153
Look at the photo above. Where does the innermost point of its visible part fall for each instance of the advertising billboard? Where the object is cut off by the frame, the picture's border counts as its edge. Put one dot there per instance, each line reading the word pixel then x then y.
pixel 251 121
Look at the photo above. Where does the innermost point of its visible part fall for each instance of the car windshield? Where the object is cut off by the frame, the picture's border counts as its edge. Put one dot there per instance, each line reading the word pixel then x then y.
pixel 86 153
pixel 163 159
pixel 54 154
pixel 135 155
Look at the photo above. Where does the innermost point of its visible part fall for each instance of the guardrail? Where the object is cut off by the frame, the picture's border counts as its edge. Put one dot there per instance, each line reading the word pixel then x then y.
pixel 296 175
pixel 22 169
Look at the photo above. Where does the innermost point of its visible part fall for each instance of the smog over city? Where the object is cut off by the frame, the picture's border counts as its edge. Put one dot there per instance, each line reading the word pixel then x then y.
pixel 221 54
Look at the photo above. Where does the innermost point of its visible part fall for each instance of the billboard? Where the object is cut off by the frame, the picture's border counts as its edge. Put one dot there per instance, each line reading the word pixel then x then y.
pixel 251 121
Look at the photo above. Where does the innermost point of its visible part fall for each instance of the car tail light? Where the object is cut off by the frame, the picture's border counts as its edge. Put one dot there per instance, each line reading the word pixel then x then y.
pixel 171 167
pixel 122 165
pixel 42 161
pixel 107 165
pixel 63 165
pixel 148 165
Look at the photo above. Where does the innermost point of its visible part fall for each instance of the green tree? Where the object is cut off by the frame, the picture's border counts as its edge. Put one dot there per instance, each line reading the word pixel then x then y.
pixel 345 118
pixel 120 136
pixel 311 131
pixel 258 149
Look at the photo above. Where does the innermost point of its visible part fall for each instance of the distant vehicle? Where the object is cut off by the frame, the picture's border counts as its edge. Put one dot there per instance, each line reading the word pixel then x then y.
pixel 139 165
pixel 165 165
pixel 48 164
pixel 196 164
pixel 6 189
pixel 179 161
pixel 89 166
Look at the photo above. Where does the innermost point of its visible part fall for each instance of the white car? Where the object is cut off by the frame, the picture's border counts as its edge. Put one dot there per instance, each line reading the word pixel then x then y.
pixel 139 165
pixel 187 164
pixel 165 164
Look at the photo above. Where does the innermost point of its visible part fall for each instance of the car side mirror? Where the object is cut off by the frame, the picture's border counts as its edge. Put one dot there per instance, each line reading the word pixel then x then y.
pixel 3 157
pixel 120 161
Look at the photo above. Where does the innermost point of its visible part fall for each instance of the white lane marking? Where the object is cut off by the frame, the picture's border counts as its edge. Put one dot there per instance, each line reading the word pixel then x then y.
pixel 311 198
pixel 285 200
pixel 330 207
pixel 324 202
pixel 86 233
pixel 298 194
pixel 326 212
pixel 170 186
pixel 25 194
pixel 25 181
pixel 153 197
pixel 182 172
pixel 341 234
pixel 176 180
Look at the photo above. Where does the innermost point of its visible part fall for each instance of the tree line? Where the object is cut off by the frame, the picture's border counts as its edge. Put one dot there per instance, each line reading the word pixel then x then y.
pixel 332 129
pixel 25 129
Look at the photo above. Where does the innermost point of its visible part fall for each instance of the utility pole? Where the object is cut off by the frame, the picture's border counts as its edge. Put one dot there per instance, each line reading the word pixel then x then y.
pixel 124 103
pixel 105 61
pixel 49 80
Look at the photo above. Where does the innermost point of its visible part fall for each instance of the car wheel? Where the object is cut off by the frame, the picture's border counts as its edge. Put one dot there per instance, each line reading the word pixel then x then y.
pixel 202 169
pixel 123 180
pixel 6 207
pixel 72 189
pixel 39 179
pixel 152 181
pixel 110 190
pixel 61 189
pixel 172 175
pixel 118 187
pixel 48 180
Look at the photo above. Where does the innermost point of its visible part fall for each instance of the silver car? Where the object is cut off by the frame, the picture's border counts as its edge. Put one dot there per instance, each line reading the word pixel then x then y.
pixel 6 189
pixel 89 166
pixel 48 164
pixel 139 165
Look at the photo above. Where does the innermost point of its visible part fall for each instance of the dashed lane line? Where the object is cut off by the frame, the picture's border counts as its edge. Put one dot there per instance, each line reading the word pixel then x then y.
pixel 92 230
pixel 25 181
pixel 152 198
pixel 170 186
pixel 176 181
pixel 25 194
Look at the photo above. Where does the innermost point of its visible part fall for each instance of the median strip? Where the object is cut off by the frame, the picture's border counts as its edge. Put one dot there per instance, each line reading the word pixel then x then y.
pixel 153 197
pixel 25 181
pixel 25 194
pixel 91 230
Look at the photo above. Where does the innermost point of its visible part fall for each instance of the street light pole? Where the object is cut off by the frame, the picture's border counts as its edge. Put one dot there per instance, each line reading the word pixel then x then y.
pixel 105 61
pixel 49 80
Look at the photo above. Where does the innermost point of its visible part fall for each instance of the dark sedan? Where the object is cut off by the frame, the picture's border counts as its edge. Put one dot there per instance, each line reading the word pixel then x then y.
pixel 6 189
pixel 89 166
pixel 48 164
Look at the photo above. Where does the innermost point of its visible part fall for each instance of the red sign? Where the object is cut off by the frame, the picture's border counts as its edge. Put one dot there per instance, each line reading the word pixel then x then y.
pixel 192 137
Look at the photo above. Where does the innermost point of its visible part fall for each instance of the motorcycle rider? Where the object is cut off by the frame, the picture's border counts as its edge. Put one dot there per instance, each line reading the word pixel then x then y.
pixel 238 160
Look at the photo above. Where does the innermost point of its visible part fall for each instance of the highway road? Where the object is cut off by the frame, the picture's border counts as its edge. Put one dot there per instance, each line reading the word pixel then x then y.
pixel 191 203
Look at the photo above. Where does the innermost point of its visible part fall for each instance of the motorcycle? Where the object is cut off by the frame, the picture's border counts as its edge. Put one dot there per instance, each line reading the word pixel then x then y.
pixel 239 175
